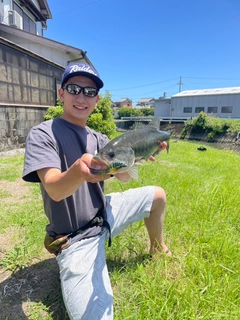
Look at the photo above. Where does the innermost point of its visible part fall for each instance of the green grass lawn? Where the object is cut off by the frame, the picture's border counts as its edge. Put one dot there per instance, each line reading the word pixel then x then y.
pixel 202 228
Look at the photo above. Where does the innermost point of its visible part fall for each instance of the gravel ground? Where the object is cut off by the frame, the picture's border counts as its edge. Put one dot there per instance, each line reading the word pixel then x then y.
pixel 13 152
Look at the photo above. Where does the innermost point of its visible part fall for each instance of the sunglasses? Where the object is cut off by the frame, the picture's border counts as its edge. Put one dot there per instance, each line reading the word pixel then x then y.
pixel 76 89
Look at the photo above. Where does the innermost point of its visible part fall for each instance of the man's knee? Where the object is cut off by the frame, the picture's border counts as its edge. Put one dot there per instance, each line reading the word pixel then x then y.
pixel 159 195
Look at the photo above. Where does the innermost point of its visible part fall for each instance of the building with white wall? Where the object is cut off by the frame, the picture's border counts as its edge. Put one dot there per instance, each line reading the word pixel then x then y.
pixel 26 15
pixel 145 103
pixel 23 22
pixel 219 102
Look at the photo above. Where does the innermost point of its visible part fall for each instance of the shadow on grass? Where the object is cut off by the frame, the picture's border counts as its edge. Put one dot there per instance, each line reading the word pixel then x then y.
pixel 40 284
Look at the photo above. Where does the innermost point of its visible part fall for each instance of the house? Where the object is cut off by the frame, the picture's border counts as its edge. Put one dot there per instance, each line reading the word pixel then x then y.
pixel 218 102
pixel 27 15
pixel 145 103
pixel 123 102
pixel 31 68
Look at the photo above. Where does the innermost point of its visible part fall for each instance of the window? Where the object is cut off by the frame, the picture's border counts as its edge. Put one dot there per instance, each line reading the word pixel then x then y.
pixel 187 110
pixel 28 24
pixel 226 109
pixel 199 109
pixel 212 110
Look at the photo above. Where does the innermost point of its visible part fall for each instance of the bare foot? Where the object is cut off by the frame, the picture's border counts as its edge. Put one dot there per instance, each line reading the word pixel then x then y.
pixel 163 248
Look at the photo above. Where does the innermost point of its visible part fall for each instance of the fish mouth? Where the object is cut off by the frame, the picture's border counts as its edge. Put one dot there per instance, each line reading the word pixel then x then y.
pixel 101 160
pixel 112 167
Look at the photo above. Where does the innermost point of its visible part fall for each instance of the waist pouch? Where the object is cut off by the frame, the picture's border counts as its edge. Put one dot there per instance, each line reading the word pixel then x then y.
pixel 56 244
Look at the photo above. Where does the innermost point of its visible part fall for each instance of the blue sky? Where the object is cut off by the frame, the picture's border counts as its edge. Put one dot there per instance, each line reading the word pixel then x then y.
pixel 142 47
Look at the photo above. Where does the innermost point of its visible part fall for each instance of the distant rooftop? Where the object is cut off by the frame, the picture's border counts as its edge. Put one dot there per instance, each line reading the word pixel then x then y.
pixel 145 100
pixel 123 100
pixel 230 90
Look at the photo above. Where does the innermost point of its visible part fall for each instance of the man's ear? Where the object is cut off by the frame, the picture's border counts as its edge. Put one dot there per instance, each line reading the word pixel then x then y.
pixel 61 94
pixel 98 97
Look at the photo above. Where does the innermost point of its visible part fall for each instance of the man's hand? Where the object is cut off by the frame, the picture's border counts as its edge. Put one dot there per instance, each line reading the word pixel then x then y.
pixel 86 162
pixel 163 145
pixel 60 185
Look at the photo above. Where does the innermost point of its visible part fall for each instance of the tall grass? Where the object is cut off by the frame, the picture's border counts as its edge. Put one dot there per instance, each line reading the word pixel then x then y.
pixel 202 228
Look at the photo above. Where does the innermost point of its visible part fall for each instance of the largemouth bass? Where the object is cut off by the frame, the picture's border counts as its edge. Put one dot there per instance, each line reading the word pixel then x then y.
pixel 125 152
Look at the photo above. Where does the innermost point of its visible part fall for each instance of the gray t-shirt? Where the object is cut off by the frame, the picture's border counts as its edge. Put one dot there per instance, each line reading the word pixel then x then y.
pixel 58 144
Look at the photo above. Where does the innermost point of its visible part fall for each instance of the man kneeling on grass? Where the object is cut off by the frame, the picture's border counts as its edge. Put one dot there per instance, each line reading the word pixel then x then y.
pixel 59 155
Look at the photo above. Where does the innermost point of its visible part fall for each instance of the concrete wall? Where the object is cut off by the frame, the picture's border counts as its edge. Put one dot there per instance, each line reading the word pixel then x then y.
pixel 15 123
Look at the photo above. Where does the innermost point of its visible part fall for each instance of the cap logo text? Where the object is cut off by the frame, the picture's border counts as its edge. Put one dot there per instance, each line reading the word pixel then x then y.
pixel 84 68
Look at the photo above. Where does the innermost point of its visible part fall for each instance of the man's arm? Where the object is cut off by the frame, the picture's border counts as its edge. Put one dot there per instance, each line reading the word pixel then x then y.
pixel 60 185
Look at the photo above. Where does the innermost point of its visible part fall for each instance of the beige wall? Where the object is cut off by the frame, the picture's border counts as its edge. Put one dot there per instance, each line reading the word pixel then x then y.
pixel 26 79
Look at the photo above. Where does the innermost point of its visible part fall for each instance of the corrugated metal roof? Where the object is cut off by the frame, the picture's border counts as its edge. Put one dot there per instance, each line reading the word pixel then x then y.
pixel 203 92
pixel 145 100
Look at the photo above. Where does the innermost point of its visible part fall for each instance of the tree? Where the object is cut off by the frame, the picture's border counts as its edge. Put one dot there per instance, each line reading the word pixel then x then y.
pixel 100 120
pixel 54 112
pixel 129 112
pixel 148 111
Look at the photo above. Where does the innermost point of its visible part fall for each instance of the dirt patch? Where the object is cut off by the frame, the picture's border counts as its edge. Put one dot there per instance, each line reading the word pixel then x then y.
pixel 14 192
pixel 33 292
pixel 176 128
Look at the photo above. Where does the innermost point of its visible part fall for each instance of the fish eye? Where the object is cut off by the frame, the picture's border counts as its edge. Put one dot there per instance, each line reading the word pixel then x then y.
pixel 111 154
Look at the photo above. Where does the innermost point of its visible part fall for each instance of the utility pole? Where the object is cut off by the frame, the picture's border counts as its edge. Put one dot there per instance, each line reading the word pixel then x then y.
pixel 180 84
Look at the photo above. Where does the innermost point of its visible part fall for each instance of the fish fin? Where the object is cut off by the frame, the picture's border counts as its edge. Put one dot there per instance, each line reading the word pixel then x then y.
pixel 138 126
pixel 139 160
pixel 167 148
pixel 155 122
pixel 133 172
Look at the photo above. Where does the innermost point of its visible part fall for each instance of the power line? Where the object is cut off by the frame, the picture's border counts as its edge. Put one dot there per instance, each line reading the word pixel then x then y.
pixel 212 78
pixel 146 85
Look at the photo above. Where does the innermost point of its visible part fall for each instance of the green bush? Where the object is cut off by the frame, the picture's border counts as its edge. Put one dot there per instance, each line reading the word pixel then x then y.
pixel 211 125
pixel 211 135
pixel 234 125
pixel 54 112
pixel 200 121
pixel 185 130
pixel 129 112
pixel 148 112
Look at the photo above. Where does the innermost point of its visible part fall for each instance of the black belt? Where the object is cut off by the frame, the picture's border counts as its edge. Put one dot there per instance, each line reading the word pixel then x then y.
pixel 62 241
pixel 97 221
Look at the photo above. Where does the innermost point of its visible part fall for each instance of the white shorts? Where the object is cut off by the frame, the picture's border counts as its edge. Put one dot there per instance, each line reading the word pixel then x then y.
pixel 85 282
